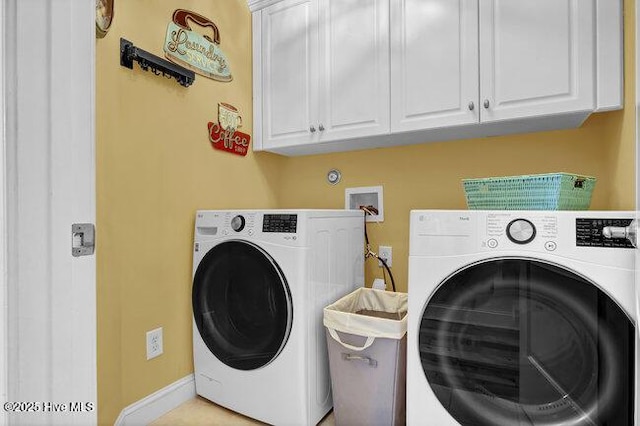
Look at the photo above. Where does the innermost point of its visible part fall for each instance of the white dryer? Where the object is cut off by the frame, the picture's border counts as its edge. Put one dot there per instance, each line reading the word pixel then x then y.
pixel 260 282
pixel 521 318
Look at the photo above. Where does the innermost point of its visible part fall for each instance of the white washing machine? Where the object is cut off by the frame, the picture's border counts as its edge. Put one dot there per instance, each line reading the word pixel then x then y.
pixel 521 318
pixel 260 282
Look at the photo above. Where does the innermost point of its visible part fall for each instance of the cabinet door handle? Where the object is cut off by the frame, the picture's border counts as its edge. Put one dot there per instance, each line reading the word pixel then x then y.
pixel 321 127
pixel 312 129
pixel 486 104
pixel 471 106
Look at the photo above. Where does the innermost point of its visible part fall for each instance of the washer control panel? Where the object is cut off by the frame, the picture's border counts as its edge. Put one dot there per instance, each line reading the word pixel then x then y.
pixel 593 233
pixel 287 223
pixel 268 226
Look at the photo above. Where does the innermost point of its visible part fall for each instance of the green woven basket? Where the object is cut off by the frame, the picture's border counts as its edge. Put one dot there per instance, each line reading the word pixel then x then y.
pixel 550 191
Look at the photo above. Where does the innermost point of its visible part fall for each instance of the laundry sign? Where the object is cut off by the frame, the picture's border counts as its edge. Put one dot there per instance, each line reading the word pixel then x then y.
pixel 198 52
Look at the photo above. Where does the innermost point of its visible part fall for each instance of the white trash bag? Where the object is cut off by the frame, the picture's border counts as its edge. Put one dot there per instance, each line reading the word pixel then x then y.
pixel 367 312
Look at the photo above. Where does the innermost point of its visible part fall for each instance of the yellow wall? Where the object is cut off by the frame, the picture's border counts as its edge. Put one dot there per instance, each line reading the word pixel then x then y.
pixel 428 176
pixel 620 127
pixel 155 167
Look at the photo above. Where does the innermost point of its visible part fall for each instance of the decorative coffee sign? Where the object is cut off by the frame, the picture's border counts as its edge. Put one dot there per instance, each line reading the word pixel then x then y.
pixel 223 134
pixel 197 52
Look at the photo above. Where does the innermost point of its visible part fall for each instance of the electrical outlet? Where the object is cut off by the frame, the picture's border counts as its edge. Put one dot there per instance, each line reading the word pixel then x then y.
pixel 154 343
pixel 384 252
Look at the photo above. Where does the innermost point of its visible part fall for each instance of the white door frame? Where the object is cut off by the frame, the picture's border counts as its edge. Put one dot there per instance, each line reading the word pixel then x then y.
pixel 4 383
pixel 637 111
pixel 637 195
pixel 47 121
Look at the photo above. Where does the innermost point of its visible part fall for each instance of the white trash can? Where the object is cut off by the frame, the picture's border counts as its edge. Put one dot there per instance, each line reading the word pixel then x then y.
pixel 367 343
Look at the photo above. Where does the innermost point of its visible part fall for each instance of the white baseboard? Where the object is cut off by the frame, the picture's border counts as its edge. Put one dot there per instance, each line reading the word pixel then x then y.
pixel 148 409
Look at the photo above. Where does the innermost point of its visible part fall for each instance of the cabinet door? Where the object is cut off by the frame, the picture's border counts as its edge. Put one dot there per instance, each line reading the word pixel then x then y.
pixel 289 74
pixel 536 58
pixel 354 64
pixel 434 63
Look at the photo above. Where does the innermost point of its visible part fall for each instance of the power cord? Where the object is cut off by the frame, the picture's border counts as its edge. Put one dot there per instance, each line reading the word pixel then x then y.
pixel 370 210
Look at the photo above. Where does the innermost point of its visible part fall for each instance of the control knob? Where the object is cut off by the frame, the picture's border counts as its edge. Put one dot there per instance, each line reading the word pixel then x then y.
pixel 521 231
pixel 237 223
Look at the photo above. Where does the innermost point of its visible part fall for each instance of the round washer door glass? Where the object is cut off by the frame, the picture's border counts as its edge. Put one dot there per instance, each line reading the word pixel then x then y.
pixel 242 305
pixel 522 342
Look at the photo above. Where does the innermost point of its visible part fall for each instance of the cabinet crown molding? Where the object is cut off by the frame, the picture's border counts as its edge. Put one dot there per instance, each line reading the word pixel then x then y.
pixel 255 5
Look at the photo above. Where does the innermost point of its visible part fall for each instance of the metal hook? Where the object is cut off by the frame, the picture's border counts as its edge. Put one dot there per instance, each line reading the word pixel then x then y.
pixel 157 65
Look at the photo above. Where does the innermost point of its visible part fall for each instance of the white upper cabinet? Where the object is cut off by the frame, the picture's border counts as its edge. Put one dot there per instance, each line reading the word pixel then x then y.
pixel 434 63
pixel 536 58
pixel 289 73
pixel 458 62
pixel 354 77
pixel 324 71
pixel 339 75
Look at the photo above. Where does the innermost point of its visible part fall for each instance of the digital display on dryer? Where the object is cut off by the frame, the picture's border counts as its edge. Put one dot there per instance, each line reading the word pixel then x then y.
pixel 280 223
pixel 589 233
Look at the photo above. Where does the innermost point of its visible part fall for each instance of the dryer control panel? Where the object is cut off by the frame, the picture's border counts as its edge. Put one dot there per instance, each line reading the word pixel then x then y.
pixel 597 232
pixel 589 237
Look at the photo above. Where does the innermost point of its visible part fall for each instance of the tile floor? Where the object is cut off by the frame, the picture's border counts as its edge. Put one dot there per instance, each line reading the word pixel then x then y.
pixel 200 412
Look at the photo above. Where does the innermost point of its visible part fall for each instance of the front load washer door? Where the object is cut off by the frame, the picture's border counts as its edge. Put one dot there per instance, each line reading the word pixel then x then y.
pixel 242 305
pixel 509 342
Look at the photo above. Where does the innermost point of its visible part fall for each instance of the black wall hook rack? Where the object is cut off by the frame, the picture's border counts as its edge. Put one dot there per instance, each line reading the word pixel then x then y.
pixel 157 65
